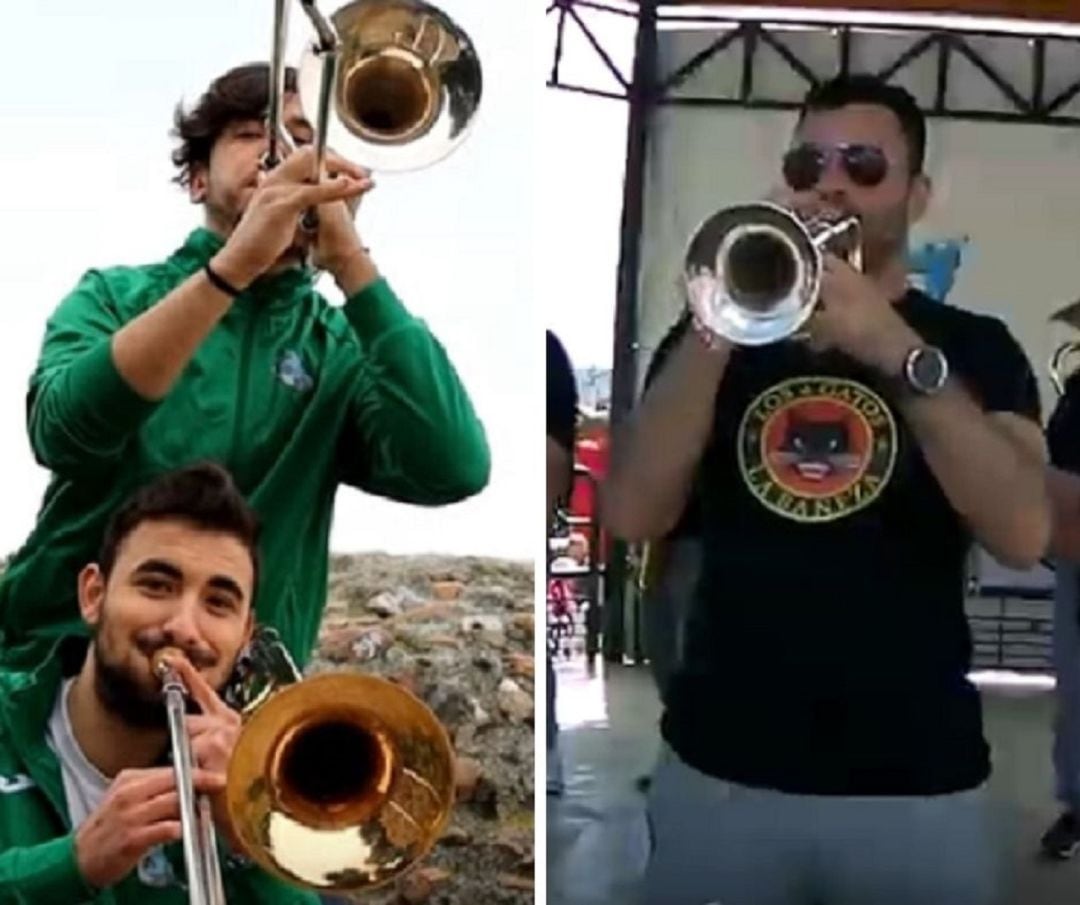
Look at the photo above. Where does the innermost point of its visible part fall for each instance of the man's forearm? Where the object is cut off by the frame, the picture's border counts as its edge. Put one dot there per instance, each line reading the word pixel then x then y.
pixel 656 452
pixel 151 351
pixel 413 434
pixel 997 489
pixel 355 273
pixel 43 872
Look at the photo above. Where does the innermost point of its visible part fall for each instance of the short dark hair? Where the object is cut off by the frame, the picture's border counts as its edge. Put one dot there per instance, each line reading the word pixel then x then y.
pixel 240 94
pixel 202 495
pixel 870 89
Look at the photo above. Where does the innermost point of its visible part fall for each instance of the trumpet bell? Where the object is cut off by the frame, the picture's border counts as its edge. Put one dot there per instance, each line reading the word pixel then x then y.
pixel 340 782
pixel 407 85
pixel 752 273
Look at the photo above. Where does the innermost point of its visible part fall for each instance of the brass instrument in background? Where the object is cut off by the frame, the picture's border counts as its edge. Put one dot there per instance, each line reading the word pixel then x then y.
pixel 1070 315
pixel 338 782
pixel 392 85
pixel 1058 375
pixel 753 271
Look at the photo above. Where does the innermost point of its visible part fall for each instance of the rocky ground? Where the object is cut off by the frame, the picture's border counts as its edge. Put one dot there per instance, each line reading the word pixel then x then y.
pixel 458 632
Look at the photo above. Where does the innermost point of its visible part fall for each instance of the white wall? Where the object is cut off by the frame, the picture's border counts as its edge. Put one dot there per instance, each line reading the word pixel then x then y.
pixel 1014 189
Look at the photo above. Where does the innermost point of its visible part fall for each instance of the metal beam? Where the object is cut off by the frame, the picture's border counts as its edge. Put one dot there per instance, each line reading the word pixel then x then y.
pixel 699 59
pixel 642 96
pixel 745 36
pixel 1031 10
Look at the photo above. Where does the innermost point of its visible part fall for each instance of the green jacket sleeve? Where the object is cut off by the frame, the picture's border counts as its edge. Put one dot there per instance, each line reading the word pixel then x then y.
pixel 47 872
pixel 80 411
pixel 411 434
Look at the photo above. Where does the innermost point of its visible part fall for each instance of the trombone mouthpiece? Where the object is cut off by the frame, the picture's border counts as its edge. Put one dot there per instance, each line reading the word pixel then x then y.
pixel 161 658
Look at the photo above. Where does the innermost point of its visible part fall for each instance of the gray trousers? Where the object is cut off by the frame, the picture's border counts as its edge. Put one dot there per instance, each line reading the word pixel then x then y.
pixel 1067 671
pixel 665 607
pixel 719 843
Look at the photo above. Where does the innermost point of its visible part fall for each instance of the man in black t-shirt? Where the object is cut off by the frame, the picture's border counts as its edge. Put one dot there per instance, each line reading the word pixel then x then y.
pixel 561 429
pixel 824 744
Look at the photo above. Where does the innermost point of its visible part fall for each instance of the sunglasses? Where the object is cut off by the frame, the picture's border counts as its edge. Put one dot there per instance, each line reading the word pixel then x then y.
pixel 804 164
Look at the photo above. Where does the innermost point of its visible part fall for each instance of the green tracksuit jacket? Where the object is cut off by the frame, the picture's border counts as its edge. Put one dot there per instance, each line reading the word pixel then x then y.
pixel 37 842
pixel 293 395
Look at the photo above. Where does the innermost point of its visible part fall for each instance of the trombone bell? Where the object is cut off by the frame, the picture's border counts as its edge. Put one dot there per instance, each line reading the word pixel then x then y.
pixel 405 88
pixel 753 271
pixel 340 782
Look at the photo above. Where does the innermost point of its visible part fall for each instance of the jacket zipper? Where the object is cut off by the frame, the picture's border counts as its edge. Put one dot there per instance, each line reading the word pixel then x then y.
pixel 242 389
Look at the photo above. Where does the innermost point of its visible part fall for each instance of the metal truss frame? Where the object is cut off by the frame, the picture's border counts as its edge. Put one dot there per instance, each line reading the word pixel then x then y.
pixel 1027 103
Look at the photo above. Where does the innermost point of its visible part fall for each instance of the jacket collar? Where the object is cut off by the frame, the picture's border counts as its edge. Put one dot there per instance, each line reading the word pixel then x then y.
pixel 31 694
pixel 202 244
pixel 26 706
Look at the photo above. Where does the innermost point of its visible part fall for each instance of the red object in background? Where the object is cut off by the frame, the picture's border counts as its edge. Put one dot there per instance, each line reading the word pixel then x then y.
pixel 591 452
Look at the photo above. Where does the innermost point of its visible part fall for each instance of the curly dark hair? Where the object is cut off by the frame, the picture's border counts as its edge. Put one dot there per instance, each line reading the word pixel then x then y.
pixel 202 495
pixel 242 93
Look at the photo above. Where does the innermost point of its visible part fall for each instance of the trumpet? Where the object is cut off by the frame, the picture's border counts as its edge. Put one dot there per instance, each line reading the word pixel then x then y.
pixel 338 782
pixel 394 84
pixel 753 271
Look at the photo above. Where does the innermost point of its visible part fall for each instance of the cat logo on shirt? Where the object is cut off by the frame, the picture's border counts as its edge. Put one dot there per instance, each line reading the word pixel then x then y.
pixel 816 449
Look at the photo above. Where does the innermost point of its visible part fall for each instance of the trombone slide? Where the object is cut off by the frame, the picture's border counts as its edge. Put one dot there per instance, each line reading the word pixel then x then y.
pixel 199 840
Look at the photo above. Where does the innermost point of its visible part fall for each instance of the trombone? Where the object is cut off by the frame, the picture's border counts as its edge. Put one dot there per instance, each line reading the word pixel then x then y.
pixel 394 84
pixel 338 782
pixel 197 828
pixel 753 271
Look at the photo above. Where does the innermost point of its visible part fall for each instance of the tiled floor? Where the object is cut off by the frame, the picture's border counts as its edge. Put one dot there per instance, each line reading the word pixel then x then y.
pixel 596 844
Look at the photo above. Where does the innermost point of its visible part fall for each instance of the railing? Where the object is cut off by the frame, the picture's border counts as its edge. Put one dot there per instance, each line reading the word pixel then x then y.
pixel 1012 629
pixel 1011 615
pixel 575 592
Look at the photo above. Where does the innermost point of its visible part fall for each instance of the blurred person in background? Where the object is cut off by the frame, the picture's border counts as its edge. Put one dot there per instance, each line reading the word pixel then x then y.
pixel 561 430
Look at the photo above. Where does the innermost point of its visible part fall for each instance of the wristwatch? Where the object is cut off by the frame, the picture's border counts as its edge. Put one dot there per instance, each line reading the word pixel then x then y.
pixel 926 369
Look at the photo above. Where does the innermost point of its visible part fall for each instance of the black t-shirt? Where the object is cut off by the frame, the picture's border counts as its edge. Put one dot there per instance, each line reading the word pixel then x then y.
pixel 827 648
pixel 561 395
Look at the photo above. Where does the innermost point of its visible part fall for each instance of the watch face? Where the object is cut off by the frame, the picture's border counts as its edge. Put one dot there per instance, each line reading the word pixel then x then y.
pixel 927 369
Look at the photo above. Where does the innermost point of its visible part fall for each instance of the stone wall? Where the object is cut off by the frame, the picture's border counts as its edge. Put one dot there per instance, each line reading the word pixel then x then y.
pixel 457 632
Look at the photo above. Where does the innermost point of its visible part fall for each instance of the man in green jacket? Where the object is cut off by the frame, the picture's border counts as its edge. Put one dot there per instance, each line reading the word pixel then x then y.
pixel 224 351
pixel 88 801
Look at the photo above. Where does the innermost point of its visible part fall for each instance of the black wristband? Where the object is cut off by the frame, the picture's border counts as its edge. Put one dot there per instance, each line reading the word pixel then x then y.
pixel 218 282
